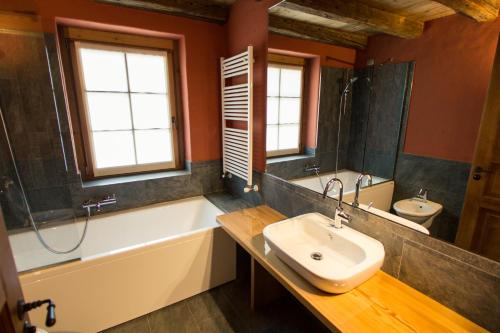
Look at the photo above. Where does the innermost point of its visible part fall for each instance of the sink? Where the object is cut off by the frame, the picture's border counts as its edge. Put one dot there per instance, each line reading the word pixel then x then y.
pixel 333 260
pixel 395 218
pixel 418 211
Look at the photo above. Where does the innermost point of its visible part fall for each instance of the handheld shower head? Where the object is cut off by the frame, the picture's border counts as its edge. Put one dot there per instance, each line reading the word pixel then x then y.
pixel 353 79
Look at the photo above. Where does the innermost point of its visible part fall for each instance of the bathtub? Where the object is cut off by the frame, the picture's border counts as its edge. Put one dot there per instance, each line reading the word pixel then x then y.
pixel 131 263
pixel 380 193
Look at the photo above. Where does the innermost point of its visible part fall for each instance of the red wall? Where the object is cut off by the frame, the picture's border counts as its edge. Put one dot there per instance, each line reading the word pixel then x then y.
pixel 201 46
pixel 319 54
pixel 338 56
pixel 454 57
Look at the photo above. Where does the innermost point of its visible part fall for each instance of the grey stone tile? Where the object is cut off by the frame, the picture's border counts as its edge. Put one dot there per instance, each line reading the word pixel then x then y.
pixel 227 202
pixel 463 288
pixel 215 325
pixel 235 186
pixel 176 318
pixel 207 305
pixel 138 325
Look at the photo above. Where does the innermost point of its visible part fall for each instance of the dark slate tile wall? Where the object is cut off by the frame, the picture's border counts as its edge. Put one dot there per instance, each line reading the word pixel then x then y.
pixel 446 182
pixel 332 83
pixel 32 99
pixel 291 167
pixel 389 87
pixel 27 101
pixel 461 280
pixel 361 97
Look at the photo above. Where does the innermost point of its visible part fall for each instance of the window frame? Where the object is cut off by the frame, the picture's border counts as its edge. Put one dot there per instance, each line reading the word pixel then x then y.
pixel 284 61
pixel 76 38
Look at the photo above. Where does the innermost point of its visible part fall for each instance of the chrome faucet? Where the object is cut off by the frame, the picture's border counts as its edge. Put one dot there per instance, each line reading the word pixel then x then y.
pixel 314 168
pixel 340 215
pixel 359 180
pixel 422 195
pixel 107 200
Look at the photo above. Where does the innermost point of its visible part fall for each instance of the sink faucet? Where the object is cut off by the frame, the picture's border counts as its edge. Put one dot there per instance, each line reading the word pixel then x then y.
pixel 340 215
pixel 359 180
pixel 422 195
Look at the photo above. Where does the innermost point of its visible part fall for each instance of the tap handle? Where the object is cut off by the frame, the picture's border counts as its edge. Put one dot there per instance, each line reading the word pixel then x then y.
pixel 344 216
pixel 422 191
pixel 50 319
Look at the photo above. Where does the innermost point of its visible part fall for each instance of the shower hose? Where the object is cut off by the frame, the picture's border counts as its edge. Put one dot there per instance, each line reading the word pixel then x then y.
pixel 25 200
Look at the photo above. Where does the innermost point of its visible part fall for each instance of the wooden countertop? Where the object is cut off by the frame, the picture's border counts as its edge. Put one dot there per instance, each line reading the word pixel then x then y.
pixel 381 304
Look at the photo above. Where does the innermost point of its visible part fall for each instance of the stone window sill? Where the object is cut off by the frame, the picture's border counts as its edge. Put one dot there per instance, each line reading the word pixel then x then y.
pixel 288 158
pixel 134 178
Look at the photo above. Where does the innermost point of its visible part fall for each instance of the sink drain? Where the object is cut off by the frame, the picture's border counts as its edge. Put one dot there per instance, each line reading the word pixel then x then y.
pixel 316 256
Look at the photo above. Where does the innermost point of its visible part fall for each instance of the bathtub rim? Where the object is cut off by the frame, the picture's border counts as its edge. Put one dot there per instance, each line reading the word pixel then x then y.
pixel 384 182
pixel 35 275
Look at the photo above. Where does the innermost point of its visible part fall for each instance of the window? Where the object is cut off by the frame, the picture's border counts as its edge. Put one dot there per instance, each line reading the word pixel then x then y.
pixel 127 108
pixel 284 109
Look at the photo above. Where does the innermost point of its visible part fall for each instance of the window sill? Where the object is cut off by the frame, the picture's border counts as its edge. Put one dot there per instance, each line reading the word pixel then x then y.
pixel 279 159
pixel 133 178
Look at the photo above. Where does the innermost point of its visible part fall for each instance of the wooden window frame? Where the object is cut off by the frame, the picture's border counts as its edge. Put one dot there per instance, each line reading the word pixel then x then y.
pixel 285 61
pixel 82 137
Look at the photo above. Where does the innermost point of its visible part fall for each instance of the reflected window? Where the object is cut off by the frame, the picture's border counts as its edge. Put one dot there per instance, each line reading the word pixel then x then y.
pixel 284 109
pixel 127 109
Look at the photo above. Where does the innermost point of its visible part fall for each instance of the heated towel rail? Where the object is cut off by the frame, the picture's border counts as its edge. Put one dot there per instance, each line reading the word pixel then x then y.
pixel 237 117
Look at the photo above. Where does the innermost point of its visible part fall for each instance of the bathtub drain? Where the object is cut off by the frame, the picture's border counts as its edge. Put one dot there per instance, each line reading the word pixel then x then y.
pixel 316 255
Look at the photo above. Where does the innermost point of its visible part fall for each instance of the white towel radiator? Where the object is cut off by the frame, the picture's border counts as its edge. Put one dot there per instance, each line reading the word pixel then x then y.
pixel 237 105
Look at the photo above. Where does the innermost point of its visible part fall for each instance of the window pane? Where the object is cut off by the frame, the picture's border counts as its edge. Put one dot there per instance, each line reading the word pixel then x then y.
pixel 289 110
pixel 272 110
pixel 272 138
pixel 153 146
pixel 150 111
pixel 291 82
pixel 273 81
pixel 109 111
pixel 147 73
pixel 288 137
pixel 114 149
pixel 103 70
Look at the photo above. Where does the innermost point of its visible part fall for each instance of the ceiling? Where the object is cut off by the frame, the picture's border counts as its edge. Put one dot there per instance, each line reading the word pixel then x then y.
pixel 347 23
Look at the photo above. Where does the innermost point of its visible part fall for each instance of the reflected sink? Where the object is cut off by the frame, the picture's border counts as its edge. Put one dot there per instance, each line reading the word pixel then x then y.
pixel 418 211
pixel 333 260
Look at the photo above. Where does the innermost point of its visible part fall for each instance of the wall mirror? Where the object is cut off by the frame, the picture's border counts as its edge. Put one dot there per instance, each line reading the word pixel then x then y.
pixel 391 115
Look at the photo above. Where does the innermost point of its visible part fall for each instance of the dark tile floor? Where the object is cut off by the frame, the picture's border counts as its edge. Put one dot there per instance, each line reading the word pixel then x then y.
pixel 225 309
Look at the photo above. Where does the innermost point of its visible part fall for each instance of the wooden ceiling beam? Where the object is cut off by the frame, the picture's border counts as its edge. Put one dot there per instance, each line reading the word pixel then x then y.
pixel 188 8
pixel 479 10
pixel 356 12
pixel 299 29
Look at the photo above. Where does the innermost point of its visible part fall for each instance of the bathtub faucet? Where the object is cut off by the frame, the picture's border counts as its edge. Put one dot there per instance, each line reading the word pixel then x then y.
pixel 359 180
pixel 106 201
pixel 340 215
pixel 314 168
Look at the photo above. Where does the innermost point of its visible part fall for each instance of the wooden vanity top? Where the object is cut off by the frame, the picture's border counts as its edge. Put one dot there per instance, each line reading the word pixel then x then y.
pixel 381 304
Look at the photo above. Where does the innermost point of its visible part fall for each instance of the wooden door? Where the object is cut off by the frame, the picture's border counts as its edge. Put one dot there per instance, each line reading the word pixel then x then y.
pixel 10 288
pixel 479 229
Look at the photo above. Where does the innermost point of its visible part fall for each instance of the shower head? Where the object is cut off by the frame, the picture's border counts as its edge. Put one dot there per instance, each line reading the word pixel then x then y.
pixel 349 84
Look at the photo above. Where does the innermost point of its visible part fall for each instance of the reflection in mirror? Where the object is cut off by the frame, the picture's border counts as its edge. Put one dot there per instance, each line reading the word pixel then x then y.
pixel 403 149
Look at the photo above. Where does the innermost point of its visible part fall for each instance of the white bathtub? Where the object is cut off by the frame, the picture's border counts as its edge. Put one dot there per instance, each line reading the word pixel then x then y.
pixel 132 263
pixel 380 193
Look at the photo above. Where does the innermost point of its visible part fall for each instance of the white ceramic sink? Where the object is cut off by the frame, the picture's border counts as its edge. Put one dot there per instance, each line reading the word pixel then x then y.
pixel 419 211
pixel 333 260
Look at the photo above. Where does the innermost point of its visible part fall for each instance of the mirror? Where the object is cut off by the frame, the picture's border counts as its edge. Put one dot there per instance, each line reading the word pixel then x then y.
pixel 405 127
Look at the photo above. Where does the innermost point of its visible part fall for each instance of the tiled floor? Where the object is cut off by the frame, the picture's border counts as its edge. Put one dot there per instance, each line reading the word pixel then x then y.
pixel 225 309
